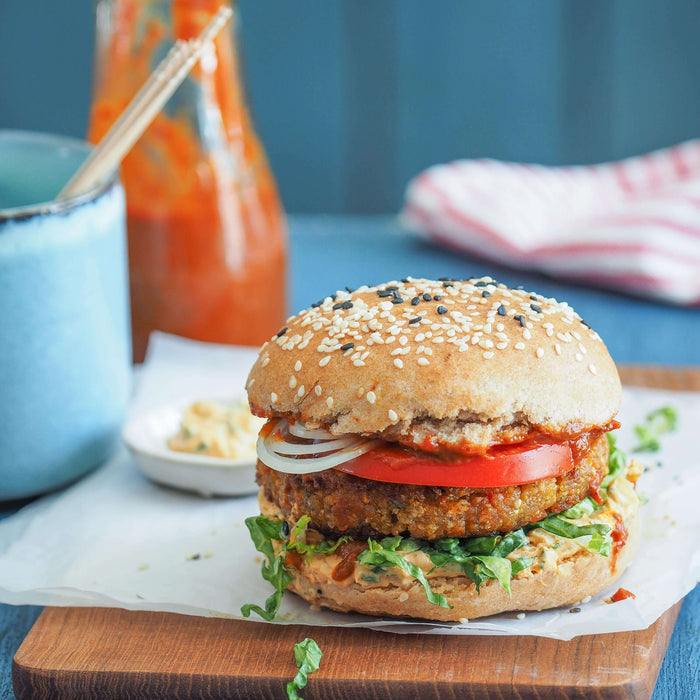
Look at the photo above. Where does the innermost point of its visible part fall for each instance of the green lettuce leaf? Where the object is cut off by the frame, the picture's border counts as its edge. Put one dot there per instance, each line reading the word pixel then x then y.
pixel 659 422
pixel 307 655
pixel 262 532
pixel 377 555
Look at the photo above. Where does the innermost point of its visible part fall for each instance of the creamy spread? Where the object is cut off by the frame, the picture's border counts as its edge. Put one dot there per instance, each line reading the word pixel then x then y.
pixel 218 430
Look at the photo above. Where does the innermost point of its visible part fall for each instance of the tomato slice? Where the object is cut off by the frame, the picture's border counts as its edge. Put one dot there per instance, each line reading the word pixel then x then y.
pixel 507 465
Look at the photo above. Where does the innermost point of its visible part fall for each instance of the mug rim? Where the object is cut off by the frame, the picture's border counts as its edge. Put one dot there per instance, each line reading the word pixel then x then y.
pixel 52 206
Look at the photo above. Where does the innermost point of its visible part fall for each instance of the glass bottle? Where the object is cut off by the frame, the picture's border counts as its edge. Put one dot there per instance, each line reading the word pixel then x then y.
pixel 206 230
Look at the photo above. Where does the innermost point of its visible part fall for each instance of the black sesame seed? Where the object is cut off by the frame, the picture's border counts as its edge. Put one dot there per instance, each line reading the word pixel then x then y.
pixel 427 297
pixel 334 296
pixel 536 308
pixel 342 305
pixel 485 294
pixel 347 346
pixel 415 320
pixel 575 610
pixel 319 591
pixel 583 323
pixel 285 528
pixel 520 319
pixel 282 332
pixel 385 293
pixel 405 280
pixel 349 290
pixel 397 300
pixel 415 301
pixel 316 304
pixel 391 289
pixel 447 284
pixel 480 283
pixel 533 297
pixel 501 310
pixel 437 297
pixel 441 309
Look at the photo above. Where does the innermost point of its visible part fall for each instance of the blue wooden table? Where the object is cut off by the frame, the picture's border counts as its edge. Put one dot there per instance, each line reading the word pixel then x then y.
pixel 328 253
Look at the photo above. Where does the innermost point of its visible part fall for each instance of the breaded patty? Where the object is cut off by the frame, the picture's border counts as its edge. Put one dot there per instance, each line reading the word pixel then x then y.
pixel 342 504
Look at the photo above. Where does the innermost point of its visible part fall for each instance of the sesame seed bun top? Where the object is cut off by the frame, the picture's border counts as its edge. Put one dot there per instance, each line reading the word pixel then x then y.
pixel 459 364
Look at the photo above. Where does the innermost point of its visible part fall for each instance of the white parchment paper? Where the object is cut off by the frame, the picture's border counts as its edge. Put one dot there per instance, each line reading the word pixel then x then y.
pixel 115 539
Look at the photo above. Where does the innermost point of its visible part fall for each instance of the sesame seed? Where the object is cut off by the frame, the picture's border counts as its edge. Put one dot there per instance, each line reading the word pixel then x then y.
pixel 579 357
pixel 273 397
pixel 519 346
pixel 318 390
pixel 441 310
pixel 329 402
pixel 423 361
pixel 392 415
pixel 582 348
pixel 371 396
pixel 539 352
pixel 526 334
pixel 557 348
pixel 419 337
pixel 292 382
pixel 301 391
pixel 592 369
pixel 398 363
pixel 297 365
pixel 502 346
pixel 438 339
pixel 403 340
pixel 488 355
pixel 266 362
pixel 324 361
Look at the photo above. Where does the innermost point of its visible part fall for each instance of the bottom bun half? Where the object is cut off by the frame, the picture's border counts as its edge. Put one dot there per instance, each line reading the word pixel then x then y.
pixel 568 575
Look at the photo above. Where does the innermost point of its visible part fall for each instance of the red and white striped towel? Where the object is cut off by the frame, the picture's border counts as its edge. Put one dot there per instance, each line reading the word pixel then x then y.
pixel 633 225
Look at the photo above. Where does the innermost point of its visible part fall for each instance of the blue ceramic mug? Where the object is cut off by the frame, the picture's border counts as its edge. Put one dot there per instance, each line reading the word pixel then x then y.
pixel 65 344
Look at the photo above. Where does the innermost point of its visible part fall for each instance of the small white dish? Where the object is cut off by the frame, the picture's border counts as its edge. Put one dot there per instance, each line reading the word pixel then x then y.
pixel 147 436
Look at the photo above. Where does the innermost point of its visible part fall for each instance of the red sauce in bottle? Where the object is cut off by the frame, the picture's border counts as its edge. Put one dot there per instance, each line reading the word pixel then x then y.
pixel 207 235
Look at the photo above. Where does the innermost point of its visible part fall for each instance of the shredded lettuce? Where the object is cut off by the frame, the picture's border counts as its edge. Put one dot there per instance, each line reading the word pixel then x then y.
pixel 263 531
pixel 307 655
pixel 377 555
pixel 659 422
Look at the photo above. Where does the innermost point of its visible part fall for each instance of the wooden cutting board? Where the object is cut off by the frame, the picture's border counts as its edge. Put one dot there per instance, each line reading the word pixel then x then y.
pixel 108 653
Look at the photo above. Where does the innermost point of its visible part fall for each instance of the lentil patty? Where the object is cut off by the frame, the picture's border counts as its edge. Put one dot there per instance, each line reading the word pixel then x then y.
pixel 339 503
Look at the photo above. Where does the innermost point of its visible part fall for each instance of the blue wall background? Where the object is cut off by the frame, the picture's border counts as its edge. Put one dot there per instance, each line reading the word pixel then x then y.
pixel 354 97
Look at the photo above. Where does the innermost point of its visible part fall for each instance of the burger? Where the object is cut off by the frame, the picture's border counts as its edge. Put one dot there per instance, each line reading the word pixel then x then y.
pixel 439 449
